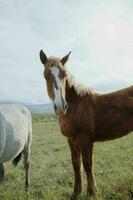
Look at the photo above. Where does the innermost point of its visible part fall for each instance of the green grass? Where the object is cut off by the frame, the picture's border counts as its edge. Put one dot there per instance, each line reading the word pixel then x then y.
pixel 51 172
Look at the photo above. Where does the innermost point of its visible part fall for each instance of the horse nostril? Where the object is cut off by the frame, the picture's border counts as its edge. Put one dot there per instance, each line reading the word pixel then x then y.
pixel 65 106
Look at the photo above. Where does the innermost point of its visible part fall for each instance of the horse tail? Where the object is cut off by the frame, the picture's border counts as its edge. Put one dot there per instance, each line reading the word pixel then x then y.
pixel 17 159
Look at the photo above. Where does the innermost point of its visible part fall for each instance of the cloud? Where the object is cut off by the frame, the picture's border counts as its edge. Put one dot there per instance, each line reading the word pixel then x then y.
pixel 99 34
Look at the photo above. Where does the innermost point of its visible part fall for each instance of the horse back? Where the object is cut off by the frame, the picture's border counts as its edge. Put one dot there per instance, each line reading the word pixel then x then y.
pixel 114 114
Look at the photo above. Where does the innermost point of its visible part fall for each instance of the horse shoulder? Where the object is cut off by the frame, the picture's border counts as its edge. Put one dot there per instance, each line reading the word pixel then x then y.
pixel 78 119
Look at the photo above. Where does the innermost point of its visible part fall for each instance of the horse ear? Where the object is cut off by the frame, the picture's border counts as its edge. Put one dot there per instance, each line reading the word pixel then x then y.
pixel 43 57
pixel 65 58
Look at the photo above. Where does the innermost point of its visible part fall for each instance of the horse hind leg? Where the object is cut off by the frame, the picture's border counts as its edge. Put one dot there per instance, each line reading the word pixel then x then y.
pixel 17 159
pixel 2 171
pixel 26 153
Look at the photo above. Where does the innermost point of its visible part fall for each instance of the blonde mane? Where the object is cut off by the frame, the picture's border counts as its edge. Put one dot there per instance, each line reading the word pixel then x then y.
pixel 79 88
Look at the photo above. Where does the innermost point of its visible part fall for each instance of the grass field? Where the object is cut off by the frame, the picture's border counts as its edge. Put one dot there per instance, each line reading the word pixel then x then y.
pixel 51 172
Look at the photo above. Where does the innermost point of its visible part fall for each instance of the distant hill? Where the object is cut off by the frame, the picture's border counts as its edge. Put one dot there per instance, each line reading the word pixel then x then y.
pixel 41 108
pixel 33 108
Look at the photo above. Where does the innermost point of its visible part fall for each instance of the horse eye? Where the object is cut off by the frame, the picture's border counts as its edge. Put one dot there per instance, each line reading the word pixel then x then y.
pixel 62 74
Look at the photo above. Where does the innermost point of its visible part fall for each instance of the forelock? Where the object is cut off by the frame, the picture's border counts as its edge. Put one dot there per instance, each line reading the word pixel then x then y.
pixel 54 62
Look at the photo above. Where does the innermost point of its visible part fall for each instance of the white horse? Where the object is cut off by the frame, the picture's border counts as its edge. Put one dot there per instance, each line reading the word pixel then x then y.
pixel 15 137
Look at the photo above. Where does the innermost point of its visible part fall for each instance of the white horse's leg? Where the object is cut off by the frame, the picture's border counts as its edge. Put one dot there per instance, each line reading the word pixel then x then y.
pixel 26 153
pixel 2 171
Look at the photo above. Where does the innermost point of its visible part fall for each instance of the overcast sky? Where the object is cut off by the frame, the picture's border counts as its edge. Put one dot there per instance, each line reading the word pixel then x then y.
pixel 99 33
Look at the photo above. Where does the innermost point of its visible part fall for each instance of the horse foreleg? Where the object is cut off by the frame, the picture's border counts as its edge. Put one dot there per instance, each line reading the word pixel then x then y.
pixel 76 162
pixel 2 171
pixel 87 151
pixel 26 154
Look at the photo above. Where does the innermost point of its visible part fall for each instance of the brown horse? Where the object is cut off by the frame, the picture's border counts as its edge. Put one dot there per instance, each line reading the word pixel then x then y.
pixel 86 117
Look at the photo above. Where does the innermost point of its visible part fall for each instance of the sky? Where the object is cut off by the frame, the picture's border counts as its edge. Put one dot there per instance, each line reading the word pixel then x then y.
pixel 99 33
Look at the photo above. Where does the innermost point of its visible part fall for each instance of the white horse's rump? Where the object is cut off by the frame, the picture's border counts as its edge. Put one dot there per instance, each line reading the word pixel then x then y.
pixel 15 134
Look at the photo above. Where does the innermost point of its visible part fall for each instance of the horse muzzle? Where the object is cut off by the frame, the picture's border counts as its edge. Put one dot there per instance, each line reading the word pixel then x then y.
pixel 60 109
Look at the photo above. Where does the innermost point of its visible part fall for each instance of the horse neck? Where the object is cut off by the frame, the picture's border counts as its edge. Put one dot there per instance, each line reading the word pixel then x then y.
pixel 71 94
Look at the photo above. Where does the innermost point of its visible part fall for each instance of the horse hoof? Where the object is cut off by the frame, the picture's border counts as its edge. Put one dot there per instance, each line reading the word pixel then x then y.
pixel 93 196
pixel 2 172
pixel 74 197
pixel 26 188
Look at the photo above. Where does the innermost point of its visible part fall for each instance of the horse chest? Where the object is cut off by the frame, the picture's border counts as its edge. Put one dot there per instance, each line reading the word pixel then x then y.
pixel 67 127
pixel 73 127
